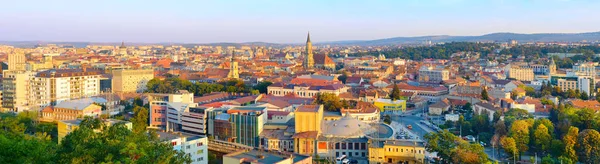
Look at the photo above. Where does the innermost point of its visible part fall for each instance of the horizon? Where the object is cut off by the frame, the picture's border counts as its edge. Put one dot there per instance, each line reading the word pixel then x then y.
pixel 205 22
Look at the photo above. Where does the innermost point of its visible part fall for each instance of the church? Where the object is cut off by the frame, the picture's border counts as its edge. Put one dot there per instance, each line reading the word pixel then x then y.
pixel 320 61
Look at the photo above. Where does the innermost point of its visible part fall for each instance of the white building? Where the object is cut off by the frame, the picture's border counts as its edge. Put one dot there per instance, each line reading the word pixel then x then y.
pixel 193 145
pixel 54 86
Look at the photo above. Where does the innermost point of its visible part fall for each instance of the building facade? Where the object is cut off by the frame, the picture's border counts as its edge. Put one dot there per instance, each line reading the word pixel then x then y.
pixel 131 81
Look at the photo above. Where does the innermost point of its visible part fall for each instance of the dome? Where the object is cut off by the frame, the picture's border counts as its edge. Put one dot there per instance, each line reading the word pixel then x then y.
pixel 347 127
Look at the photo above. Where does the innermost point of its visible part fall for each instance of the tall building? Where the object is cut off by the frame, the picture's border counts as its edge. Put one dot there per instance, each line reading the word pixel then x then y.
pixel 16 91
pixel 129 81
pixel 195 146
pixel 233 70
pixel 122 49
pixel 53 86
pixel 16 62
pixel 309 60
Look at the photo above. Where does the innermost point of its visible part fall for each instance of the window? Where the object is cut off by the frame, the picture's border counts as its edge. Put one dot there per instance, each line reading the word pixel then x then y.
pixel 199 144
pixel 187 147
pixel 173 143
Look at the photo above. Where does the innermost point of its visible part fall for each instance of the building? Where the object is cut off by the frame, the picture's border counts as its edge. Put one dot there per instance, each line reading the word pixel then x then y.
pixel 53 86
pixel 194 120
pixel 309 60
pixel 70 110
pixel 130 81
pixel 308 127
pixel 521 73
pixel 16 91
pixel 396 151
pixel 194 145
pixel 17 62
pixel 433 74
pixel 258 157
pixel 67 126
pixel 241 124
pixel 160 103
pixel 305 91
pixel 389 106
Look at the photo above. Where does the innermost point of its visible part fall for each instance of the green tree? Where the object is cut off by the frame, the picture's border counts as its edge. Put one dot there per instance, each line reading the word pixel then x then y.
pixel 442 142
pixel 469 153
pixel 140 119
pixel 262 86
pixel 330 102
pixel 395 94
pixel 547 160
pixel 138 101
pixel 484 95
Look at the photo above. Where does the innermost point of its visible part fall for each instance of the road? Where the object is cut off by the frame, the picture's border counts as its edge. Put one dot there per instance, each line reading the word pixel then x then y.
pixel 420 130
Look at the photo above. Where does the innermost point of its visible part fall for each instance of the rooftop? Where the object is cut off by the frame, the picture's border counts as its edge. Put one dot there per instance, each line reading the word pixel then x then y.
pixel 255 156
pixel 308 108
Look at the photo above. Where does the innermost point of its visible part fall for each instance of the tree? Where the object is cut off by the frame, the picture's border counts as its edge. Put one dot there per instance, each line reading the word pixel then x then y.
pixel 469 153
pixel 589 146
pixel 140 119
pixel 138 101
pixel 442 142
pixel 330 102
pixel 547 160
pixel 500 128
pixel 542 138
pixel 546 122
pixel 387 119
pixel 262 86
pixel 556 147
pixel 510 146
pixel 570 141
pixel 484 95
pixel 395 95
pixel 519 131
pixel 343 77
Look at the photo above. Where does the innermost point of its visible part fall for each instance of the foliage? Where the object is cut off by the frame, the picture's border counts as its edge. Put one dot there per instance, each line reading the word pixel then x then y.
pixel 588 144
pixel 484 95
pixel 395 94
pixel 262 86
pixel 542 138
pixel 173 84
pixel 140 119
pixel 331 102
pixel 570 141
pixel 441 51
pixel 387 119
pixel 510 146
pixel 519 131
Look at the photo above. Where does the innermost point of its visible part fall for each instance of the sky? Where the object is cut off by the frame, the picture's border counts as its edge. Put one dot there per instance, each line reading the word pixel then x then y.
pixel 285 21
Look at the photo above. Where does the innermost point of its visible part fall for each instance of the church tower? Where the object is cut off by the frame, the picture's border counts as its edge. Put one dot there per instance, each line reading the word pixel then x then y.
pixel 233 70
pixel 123 49
pixel 309 60
pixel 552 67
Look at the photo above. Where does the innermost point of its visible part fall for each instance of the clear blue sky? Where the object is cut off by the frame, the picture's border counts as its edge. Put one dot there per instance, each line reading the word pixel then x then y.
pixel 285 21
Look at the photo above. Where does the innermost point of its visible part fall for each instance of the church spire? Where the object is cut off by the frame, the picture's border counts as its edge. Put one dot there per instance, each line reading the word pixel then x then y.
pixel 308 38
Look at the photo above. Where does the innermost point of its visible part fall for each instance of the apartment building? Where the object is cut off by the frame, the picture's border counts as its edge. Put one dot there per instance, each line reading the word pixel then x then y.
pixel 521 73
pixel 194 145
pixel 433 74
pixel 304 90
pixel 128 81
pixel 53 86
pixel 15 91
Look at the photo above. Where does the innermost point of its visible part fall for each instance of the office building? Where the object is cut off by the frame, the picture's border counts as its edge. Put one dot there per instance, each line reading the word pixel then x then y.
pixel 171 106
pixel 433 74
pixel 194 145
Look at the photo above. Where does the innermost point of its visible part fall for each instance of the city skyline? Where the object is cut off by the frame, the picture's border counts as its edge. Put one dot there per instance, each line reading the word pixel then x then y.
pixel 285 22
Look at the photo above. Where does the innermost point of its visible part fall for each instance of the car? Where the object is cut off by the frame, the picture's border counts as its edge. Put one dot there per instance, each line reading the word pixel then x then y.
pixel 354 161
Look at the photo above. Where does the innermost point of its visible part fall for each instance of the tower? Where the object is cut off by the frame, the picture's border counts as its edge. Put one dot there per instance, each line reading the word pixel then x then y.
pixel 123 49
pixel 309 60
pixel 233 68
pixel 552 67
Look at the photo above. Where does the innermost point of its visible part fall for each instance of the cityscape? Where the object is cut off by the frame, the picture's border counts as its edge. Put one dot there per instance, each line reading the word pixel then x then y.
pixel 204 85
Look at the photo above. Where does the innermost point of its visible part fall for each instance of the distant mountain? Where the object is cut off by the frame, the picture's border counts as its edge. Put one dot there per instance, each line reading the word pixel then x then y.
pixel 501 37
pixel 540 37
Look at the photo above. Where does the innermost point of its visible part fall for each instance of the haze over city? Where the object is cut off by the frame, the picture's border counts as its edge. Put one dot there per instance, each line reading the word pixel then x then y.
pixel 190 21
